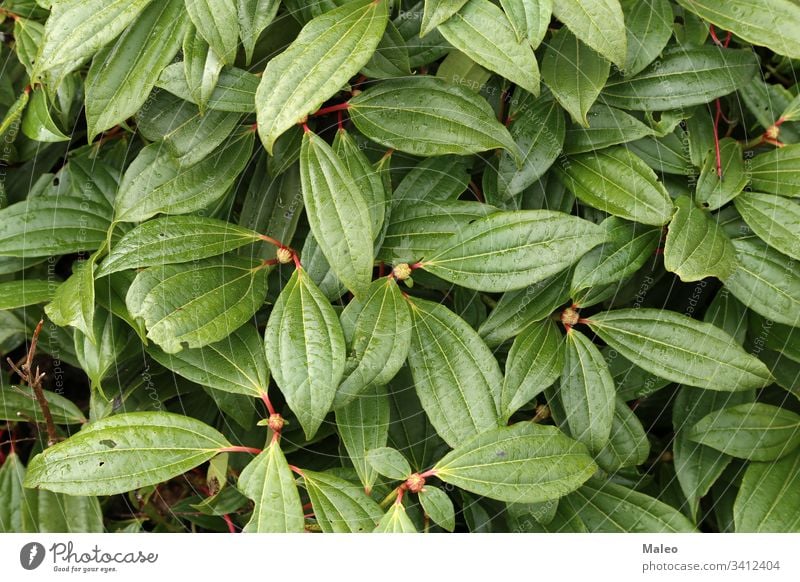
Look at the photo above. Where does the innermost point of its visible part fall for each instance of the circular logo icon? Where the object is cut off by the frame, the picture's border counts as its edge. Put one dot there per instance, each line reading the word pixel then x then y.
pixel 31 555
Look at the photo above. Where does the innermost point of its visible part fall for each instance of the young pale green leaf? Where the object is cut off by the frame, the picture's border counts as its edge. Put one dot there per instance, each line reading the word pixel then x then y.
pixel 439 507
pixel 340 506
pixel 511 250
pixel 769 497
pixel 124 452
pixel 765 281
pixel 775 219
pixel 457 378
pixel 159 186
pixel 696 76
pixel 19 403
pixel 235 364
pixel 77 29
pixel 587 392
pixel 174 239
pixel 611 508
pixel 521 463
pixel 235 89
pixel 199 303
pixel 534 362
pixel 218 23
pixel 363 425
pixel 427 116
pixel 627 445
pixel 482 32
pixel 328 51
pixel 696 247
pixel 305 349
pixel 436 12
pixel 680 349
pixel 754 431
pixel 254 16
pixel 769 23
pixel 37 123
pixel 777 171
pixel 337 212
pixel 15 294
pixel 53 225
pixel 649 27
pixel 389 462
pixel 617 181
pixel 713 192
pixel 607 127
pixel 74 301
pixel 269 482
pixel 574 73
pixel 529 18
pixel 122 76
pixel 395 520
pixel 598 23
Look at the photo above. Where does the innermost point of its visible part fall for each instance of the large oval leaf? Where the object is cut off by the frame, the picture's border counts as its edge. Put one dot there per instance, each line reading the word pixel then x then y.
pixel 19 402
pixel 769 498
pixel 777 171
pixel 340 506
pixel 775 219
pixel 218 24
pixel 598 23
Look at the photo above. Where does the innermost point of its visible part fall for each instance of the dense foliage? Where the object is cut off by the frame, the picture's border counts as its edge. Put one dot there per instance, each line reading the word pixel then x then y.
pixel 356 265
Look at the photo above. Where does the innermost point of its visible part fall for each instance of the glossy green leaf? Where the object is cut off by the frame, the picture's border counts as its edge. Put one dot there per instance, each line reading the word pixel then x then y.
pixel 328 51
pixel 649 27
pixel 574 73
pixel 482 32
pixel 390 58
pixel 617 181
pixel 627 445
pixel 775 219
pixel 389 462
pixel 367 178
pixel 438 506
pixel 37 123
pixel 269 482
pixel 235 88
pixel 457 378
pixel 395 520
pixel 306 350
pixel 124 452
pixel 696 247
pixel 428 116
pixel 598 23
pixel 201 67
pixel 522 463
pixel 74 300
pixel 28 35
pixel 713 192
pixel 18 403
pixel 608 126
pixel 199 303
pixel 218 23
pixel 15 294
pixel 13 505
pixel 680 349
pixel 510 250
pixel 437 12
pixel 769 497
pixel 529 18
pixel 254 16
pixel 777 171
pixel 340 506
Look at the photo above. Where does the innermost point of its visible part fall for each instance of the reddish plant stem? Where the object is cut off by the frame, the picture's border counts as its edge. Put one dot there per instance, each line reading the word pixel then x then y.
pixel 428 473
pixel 331 109
pixel 8 13
pixel 240 449
pixel 340 120
pixel 268 403
pixel 400 492
pixel 718 103
pixel 476 190
pixel 296 470
pixel 229 522
pixel 305 128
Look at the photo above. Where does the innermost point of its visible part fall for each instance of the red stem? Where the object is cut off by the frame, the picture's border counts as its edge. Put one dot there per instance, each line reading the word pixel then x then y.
pixel 331 109
pixel 268 403
pixel 229 521
pixel 428 473
pixel 240 449
pixel 296 470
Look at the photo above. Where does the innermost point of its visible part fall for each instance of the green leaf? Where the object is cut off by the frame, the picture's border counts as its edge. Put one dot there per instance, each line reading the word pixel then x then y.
pixel 363 424
pixel 389 462
pixel 218 23
pixel 76 29
pixel 124 452
pixel 254 16
pixel 122 76
pixel 777 171
pixel 306 350
pixel 427 116
pixel 37 123
pixel 755 431
pixel 510 250
pixel 18 403
pixel 696 76
pixel 770 23
pixel 608 126
pixel 522 463
pixel 390 58
pixel 696 247
pixel 587 392
pixel 649 27
pixel 28 35
pixel 269 482
pixel 598 23
pixel 574 73
pixel 769 498
pixel 337 213
pixel 50 225
pixel 457 378
pixel 201 66
pixel 15 294
pixel 775 219
pixel 680 349
pixel 174 239
pixel 611 508
pixel 74 301
pixel 617 181
pixel 438 506
pixel 765 281
pixel 529 18
pixel 46 512
pixel 235 89
pixel 534 363
pixel 339 506
pixel 714 192
pixel 395 520
pixel 482 32
pixel 199 303
pixel 627 445
pixel 235 364
pixel 437 12
pixel 378 335
pixel 13 507
pixel 155 184
pixel 328 51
